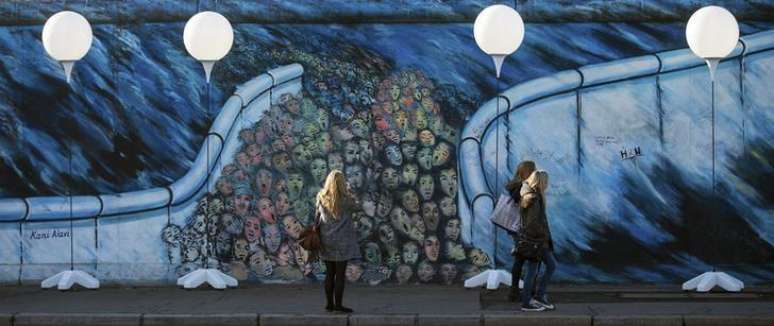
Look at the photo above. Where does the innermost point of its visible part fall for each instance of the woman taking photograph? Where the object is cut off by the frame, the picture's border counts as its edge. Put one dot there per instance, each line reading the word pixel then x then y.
pixel 338 237
pixel 534 234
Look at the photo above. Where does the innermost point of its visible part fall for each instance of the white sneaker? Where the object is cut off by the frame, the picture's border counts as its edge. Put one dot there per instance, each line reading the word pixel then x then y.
pixel 532 307
pixel 542 302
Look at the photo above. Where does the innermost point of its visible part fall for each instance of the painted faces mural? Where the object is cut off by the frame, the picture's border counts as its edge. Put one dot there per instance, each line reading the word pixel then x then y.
pixel 385 131
pixel 363 96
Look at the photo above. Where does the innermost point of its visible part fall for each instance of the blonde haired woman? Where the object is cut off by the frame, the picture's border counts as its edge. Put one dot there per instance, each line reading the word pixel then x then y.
pixel 534 228
pixel 338 236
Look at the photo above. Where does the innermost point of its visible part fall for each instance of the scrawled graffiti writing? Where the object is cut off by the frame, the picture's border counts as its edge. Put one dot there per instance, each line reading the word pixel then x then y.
pixel 48 234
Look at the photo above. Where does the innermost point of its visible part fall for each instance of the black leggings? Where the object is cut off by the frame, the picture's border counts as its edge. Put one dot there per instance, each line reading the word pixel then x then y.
pixel 334 281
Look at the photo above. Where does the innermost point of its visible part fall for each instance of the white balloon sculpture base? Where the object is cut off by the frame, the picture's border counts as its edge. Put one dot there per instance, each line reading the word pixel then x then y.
pixel 215 278
pixel 708 280
pixel 65 280
pixel 492 278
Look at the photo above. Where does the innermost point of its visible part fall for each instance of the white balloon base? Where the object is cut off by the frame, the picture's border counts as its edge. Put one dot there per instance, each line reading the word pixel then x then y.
pixel 65 280
pixel 492 278
pixel 215 278
pixel 705 282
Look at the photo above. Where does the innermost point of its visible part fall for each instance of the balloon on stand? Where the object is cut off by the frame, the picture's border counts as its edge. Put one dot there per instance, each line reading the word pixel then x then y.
pixel 208 37
pixel 499 31
pixel 67 37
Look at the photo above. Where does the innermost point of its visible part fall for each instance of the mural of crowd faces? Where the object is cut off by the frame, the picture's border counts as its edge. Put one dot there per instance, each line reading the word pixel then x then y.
pixel 281 203
pixel 432 248
pixel 284 255
pixel 292 226
pixel 410 253
pixel 448 207
pixel 243 203
pixel 272 237
pixel 335 162
pixel 425 158
pixel 260 263
pixel 410 201
pixel 426 186
pixel 364 227
pixel 394 155
pixel 425 271
pixel 442 154
pixel 448 181
pixel 454 251
pixel 301 257
pixel 384 205
pixel 430 216
pixel 478 257
pixel 386 133
pixel 353 272
pixel 387 236
pixel 351 152
pixel 390 178
pixel 368 204
pixel 252 227
pixel 231 224
pixel 366 151
pixel 241 249
pixel 372 254
pixel 266 210
pixel 448 273
pixel 224 186
pixel 403 273
pixel 319 169
pixel 301 155
pixel 409 174
pixel 402 223
pixel 295 185
pixel 452 229
pixel 355 176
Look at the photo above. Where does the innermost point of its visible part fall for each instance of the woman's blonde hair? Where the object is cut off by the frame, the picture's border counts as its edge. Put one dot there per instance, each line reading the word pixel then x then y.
pixel 333 193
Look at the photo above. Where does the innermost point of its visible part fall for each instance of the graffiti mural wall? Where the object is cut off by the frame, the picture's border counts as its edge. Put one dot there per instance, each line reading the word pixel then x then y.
pixel 394 106
pixel 384 129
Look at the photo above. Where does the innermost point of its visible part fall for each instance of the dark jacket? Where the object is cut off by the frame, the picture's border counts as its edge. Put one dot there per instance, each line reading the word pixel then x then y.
pixel 534 223
pixel 513 187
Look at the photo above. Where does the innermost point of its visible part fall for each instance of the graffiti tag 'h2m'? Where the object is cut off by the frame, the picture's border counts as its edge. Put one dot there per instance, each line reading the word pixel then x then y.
pixel 630 153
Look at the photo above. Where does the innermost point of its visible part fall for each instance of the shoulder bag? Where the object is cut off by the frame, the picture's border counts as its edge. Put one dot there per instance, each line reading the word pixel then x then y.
pixel 309 238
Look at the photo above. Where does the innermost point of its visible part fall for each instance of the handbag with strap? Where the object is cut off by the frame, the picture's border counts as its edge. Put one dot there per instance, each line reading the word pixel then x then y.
pixel 528 249
pixel 309 238
pixel 506 214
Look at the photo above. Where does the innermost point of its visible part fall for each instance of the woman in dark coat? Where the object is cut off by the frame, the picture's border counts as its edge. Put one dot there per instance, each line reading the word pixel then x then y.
pixel 338 236
pixel 523 171
pixel 535 229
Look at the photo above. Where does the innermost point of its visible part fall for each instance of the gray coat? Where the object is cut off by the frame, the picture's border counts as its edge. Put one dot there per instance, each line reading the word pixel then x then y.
pixel 338 235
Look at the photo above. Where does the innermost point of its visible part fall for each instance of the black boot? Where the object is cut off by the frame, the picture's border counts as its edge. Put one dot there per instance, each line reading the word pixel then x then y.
pixel 513 295
pixel 343 309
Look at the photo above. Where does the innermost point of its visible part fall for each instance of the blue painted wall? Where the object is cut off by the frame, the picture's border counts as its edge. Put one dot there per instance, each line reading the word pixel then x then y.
pixel 135 119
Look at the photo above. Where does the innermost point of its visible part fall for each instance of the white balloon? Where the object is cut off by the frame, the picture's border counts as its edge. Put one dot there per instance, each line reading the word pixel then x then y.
pixel 712 32
pixel 498 30
pixel 208 36
pixel 67 36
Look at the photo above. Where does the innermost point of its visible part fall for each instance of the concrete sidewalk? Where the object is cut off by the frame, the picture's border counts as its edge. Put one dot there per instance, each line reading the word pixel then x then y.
pixel 383 305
